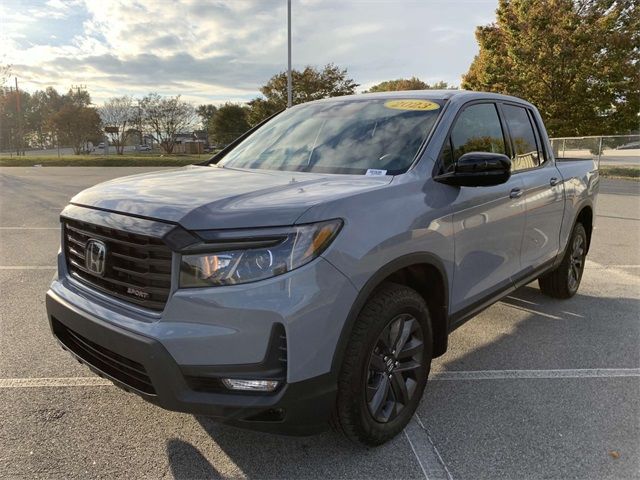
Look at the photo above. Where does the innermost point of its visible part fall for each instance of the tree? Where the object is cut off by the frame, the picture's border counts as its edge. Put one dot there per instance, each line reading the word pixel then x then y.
pixel 44 103
pixel 5 73
pixel 229 122
pixel 13 125
pixel 206 113
pixel 308 84
pixel 260 109
pixel 165 117
pixel 76 125
pixel 78 96
pixel 576 60
pixel 118 114
pixel 413 83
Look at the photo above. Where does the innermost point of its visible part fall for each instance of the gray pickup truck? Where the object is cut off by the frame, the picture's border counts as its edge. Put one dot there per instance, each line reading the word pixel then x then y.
pixel 309 273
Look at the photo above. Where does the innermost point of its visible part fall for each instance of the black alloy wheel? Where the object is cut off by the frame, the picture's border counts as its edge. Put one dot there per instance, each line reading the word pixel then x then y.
pixel 576 263
pixel 394 368
pixel 564 280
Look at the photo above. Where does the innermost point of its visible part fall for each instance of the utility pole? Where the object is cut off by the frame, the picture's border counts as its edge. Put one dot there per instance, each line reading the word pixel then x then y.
pixel 289 82
pixel 18 116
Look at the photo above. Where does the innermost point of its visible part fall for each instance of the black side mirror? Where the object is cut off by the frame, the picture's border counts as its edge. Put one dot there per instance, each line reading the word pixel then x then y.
pixel 478 169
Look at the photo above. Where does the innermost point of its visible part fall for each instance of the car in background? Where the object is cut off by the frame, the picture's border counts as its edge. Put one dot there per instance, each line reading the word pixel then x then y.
pixel 144 148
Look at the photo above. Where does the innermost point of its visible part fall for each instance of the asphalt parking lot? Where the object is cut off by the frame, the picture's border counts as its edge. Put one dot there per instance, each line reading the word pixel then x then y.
pixel 532 388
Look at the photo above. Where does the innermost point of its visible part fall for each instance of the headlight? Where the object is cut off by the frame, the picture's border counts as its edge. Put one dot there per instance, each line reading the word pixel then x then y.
pixel 298 246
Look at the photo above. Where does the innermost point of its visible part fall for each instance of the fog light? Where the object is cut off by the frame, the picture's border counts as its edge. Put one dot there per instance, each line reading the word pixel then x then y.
pixel 250 385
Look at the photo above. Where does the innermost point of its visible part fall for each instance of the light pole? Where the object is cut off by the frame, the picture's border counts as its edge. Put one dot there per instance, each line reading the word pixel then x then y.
pixel 289 86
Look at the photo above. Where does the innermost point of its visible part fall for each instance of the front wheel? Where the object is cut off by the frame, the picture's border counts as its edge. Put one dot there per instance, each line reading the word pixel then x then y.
pixel 563 282
pixel 385 367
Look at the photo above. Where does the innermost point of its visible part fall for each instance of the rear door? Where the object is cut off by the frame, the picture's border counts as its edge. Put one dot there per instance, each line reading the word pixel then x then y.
pixel 543 188
pixel 488 221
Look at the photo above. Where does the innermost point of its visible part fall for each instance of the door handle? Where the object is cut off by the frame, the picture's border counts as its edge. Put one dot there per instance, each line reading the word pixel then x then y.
pixel 515 193
pixel 554 181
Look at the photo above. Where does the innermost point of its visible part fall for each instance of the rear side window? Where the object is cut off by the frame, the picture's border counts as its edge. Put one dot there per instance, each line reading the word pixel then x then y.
pixel 477 129
pixel 526 149
pixel 536 130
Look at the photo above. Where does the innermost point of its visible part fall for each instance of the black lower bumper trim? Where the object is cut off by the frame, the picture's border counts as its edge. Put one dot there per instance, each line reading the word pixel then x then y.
pixel 142 365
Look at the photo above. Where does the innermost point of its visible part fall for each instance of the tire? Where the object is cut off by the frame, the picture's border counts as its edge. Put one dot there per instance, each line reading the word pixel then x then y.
pixel 372 406
pixel 564 280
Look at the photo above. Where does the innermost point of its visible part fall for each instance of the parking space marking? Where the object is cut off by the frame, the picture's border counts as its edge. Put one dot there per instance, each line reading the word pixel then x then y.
pixel 28 267
pixel 435 449
pixel 425 451
pixel 615 270
pixel 461 375
pixel 54 382
pixel 619 218
pixel 415 453
pixel 529 310
pixel 29 228
pixel 588 265
pixel 532 374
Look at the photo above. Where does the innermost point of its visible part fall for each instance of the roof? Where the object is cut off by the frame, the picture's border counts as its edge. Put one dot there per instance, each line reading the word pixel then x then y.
pixel 463 95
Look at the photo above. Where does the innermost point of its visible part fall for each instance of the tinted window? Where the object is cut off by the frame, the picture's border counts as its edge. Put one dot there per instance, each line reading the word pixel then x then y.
pixel 526 153
pixel 477 129
pixel 536 130
pixel 347 136
pixel 446 156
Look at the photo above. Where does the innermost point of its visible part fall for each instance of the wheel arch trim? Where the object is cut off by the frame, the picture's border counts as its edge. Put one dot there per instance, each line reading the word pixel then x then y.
pixel 374 281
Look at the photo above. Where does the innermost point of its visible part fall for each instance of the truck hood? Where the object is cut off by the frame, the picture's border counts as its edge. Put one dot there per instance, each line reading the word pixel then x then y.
pixel 209 197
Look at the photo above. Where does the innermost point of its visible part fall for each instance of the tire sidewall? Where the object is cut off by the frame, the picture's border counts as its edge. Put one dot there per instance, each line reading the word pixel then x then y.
pixel 578 231
pixel 381 432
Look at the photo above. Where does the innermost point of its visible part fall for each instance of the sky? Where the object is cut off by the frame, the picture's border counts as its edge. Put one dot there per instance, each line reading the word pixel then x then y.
pixel 217 51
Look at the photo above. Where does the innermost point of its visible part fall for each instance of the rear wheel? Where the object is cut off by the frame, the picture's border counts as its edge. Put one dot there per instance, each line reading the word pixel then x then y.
pixel 563 282
pixel 385 367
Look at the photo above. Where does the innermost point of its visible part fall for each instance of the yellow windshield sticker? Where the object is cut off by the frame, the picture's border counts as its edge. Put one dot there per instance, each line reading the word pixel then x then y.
pixel 409 104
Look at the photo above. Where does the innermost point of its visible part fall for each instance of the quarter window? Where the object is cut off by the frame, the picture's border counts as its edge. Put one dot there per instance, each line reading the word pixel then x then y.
pixel 477 129
pixel 526 150
pixel 536 130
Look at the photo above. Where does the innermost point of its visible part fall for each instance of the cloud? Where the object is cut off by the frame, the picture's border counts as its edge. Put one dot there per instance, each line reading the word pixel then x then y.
pixel 216 50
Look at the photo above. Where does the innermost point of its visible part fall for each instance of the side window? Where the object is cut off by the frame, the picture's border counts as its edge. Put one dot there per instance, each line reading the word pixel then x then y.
pixel 527 153
pixel 536 130
pixel 446 157
pixel 477 129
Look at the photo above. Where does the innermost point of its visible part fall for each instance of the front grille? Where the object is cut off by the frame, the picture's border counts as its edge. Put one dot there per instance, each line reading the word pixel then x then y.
pixel 137 267
pixel 127 371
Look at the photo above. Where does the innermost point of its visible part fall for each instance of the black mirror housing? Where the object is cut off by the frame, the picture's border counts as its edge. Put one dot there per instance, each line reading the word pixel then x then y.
pixel 478 169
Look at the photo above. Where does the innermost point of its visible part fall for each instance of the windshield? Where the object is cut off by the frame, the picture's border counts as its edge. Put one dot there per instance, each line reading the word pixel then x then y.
pixel 352 136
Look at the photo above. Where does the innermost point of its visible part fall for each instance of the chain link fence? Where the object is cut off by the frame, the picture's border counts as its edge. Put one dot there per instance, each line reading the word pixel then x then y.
pixel 607 149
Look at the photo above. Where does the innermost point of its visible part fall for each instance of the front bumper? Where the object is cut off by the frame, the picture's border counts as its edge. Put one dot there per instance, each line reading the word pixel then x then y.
pixel 140 364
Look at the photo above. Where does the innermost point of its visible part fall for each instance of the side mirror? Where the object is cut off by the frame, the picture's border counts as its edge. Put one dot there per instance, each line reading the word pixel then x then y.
pixel 478 169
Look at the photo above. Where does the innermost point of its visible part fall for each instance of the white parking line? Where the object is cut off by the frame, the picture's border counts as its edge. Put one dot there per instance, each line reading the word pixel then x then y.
pixel 462 375
pixel 28 267
pixel 619 218
pixel 592 264
pixel 529 310
pixel 435 449
pixel 531 374
pixel 415 453
pixel 54 382
pixel 429 459
pixel 29 228
pixel 615 270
